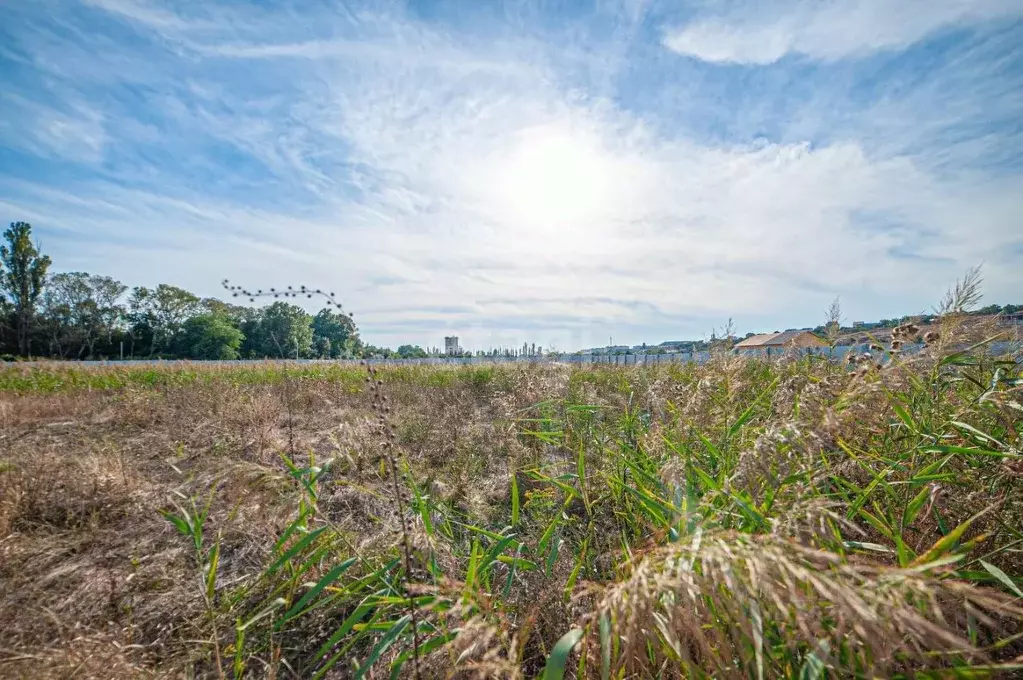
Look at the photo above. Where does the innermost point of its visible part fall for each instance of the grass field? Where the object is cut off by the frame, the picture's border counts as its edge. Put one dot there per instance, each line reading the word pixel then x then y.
pixel 742 518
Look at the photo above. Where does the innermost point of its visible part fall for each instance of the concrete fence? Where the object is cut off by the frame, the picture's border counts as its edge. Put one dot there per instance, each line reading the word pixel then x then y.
pixel 836 354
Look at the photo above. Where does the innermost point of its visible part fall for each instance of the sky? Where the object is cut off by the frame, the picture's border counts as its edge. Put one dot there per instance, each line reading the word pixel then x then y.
pixel 564 173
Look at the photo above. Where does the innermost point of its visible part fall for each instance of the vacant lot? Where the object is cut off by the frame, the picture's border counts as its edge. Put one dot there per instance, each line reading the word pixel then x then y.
pixel 743 518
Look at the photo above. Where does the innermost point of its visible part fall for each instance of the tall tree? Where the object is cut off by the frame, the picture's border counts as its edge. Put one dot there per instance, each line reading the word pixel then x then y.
pixel 157 314
pixel 281 331
pixel 81 310
pixel 411 352
pixel 210 336
pixel 22 277
pixel 336 334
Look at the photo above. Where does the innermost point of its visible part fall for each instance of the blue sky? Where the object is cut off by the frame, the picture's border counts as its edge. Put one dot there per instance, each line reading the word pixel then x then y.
pixel 550 172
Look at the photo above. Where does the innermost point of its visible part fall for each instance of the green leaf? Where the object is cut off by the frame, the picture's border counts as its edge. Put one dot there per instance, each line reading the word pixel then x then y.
pixel 360 612
pixel 294 550
pixel 211 571
pixel 553 556
pixel 580 467
pixel 347 647
pixel 983 436
pixel 424 510
pixel 492 554
pixel 904 416
pixel 748 413
pixel 327 579
pixel 279 602
pixel 865 494
pixel 296 524
pixel 470 572
pixel 558 659
pixel 568 489
pixel 867 546
pixel 651 505
pixel 514 498
pixel 517 562
pixel 980 452
pixel 915 506
pixel 512 564
pixel 547 535
pixel 381 646
pixel 424 649
pixel 947 542
pixel 179 522
pixel 878 524
pixel 570 584
pixel 713 450
pixel 1002 576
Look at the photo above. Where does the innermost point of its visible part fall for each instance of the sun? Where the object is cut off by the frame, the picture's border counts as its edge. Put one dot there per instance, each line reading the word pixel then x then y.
pixel 555 179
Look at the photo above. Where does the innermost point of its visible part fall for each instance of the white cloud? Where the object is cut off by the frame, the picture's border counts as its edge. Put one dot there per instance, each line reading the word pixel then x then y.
pixel 142 12
pixel 763 33
pixel 73 132
pixel 444 184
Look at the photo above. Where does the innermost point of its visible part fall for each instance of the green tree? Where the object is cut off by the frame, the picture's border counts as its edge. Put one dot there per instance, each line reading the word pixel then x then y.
pixel 411 352
pixel 236 313
pixel 281 330
pixel 322 349
pixel 156 316
pixel 80 312
pixel 335 335
pixel 374 352
pixel 210 336
pixel 22 277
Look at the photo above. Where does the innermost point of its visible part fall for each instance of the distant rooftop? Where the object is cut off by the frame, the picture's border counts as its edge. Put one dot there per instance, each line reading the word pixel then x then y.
pixel 800 337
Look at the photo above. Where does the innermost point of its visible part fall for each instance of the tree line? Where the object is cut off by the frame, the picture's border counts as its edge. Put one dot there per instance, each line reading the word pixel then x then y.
pixel 77 315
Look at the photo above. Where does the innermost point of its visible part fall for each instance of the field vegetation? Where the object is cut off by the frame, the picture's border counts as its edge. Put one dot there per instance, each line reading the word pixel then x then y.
pixel 743 518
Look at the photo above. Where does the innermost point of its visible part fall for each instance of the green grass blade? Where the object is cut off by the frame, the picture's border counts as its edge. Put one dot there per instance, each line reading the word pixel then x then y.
pixel 1002 576
pixel 381 646
pixel 605 647
pixel 425 648
pixel 515 498
pixel 294 550
pixel 558 658
pixel 211 571
pixel 325 581
pixel 368 605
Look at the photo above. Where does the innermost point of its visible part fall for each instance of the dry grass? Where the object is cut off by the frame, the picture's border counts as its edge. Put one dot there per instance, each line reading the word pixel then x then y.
pixel 744 518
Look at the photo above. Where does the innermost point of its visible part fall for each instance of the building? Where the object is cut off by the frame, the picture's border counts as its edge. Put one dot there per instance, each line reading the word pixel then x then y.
pixel 1013 319
pixel 451 345
pixel 767 342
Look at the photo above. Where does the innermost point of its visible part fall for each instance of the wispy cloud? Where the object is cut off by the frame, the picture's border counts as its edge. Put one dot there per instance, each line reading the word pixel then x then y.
pixel 506 178
pixel 763 33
